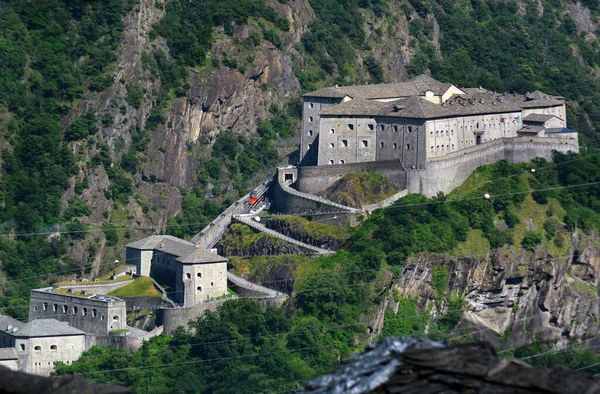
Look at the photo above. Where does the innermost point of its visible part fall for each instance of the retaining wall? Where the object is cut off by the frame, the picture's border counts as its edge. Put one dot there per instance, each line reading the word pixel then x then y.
pixel 449 172
pixel 315 179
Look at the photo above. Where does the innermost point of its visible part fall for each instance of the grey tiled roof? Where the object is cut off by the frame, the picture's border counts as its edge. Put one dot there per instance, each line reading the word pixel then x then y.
pixel 537 118
pixel 8 353
pixel 531 129
pixel 6 321
pixel 201 256
pixel 47 328
pixel 186 251
pixel 415 87
pixel 483 102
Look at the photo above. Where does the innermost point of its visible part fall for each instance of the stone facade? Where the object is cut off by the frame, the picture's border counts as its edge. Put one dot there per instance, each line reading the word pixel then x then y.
pixel 193 274
pixel 41 343
pixel 95 314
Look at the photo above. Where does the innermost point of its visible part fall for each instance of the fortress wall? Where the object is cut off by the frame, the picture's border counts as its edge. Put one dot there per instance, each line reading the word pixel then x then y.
pixel 171 318
pixel 314 180
pixel 74 311
pixel 445 174
pixel 145 302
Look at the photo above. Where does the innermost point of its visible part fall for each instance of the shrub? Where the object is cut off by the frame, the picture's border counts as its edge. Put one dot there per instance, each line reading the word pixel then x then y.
pixel 531 240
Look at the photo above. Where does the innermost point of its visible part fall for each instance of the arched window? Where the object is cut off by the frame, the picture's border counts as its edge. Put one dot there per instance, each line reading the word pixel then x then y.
pixel 199 274
pixel 199 288
pixel 332 131
pixel 310 132
pixel 74 310
pixel 53 348
pixel 94 312
pixel 212 283
pixel 188 275
pixel 45 306
pixel 84 310
pixel 38 348
pixel 55 308
pixel 65 308
pixel 116 318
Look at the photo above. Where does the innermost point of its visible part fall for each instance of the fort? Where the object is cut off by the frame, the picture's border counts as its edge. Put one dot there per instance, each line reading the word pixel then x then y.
pixel 426 136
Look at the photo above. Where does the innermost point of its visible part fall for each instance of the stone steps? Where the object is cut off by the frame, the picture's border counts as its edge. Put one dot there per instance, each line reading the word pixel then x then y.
pixel 260 227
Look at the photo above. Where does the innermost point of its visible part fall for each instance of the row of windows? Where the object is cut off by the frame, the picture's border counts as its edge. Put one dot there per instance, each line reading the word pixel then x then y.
pixel 365 144
pixel 74 310
pixel 38 348
pixel 39 364
pixel 199 288
pixel 369 126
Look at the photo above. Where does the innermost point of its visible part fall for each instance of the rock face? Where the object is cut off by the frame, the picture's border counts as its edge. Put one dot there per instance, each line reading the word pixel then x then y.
pixel 298 232
pixel 521 296
pixel 406 365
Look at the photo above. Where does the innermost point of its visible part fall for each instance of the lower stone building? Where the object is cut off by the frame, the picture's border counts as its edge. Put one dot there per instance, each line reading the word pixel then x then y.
pixel 41 343
pixel 192 275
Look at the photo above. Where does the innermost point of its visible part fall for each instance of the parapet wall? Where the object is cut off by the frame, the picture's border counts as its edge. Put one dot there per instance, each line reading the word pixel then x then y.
pixel 449 172
pixel 314 180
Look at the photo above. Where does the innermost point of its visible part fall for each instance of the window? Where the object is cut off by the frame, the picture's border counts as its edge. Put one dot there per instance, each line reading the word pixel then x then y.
pixel 395 145
pixel 331 145
pixel 330 161
pixel 395 129
pixel 308 146
pixel 477 124
pixel 199 274
pixel 74 310
pixel 35 308
pixel 65 308
pixel 432 148
pixel 212 283
pixel 102 317
pixel 342 162
pixel 345 143
pixel 94 312
pixel 38 348
pixel 381 144
pixel 311 119
pixel 311 105
pixel 310 132
pixel 365 143
pixel 350 126
pixel 437 147
pixel 408 146
pixel 331 131
pixel 410 129
pixel 188 275
pixel 199 288
pixel 45 306
pixel 382 127
pixel 84 311
pixel 53 348
pixel 437 132
pixel 116 318
pixel 371 126
pixel 22 346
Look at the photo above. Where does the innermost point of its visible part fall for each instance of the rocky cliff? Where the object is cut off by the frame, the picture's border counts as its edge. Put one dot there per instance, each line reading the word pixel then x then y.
pixel 511 297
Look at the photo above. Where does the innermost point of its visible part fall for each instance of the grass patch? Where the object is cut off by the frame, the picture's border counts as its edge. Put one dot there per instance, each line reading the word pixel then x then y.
pixel 303 266
pixel 586 289
pixel 476 245
pixel 140 287
pixel 92 283
pixel 315 230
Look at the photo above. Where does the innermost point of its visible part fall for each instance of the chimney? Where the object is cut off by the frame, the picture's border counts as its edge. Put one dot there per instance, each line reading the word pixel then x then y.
pixel 9 328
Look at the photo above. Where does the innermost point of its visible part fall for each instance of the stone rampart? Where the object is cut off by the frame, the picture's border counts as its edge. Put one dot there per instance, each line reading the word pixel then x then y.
pixel 315 179
pixel 449 172
pixel 145 302
pixel 171 318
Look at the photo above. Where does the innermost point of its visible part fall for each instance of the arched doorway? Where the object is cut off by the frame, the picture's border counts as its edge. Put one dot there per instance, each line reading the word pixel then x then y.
pixel 478 140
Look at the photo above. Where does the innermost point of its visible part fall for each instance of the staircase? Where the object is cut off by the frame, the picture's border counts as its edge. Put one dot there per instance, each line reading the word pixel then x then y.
pixel 313 250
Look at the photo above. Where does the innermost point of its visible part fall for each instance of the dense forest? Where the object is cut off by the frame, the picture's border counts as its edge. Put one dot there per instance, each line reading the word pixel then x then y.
pixel 58 57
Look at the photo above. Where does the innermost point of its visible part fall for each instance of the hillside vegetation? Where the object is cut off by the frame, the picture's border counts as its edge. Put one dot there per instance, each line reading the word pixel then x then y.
pixel 358 189
pixel 332 295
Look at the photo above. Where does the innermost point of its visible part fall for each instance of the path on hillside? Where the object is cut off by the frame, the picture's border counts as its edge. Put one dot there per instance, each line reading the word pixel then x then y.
pixel 243 283
pixel 261 227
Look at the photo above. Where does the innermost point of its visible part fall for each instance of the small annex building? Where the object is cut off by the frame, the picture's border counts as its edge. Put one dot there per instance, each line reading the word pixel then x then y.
pixel 39 344
pixel 190 275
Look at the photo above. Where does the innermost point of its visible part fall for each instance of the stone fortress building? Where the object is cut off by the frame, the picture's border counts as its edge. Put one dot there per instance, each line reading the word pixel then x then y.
pixel 37 345
pixel 193 274
pixel 421 127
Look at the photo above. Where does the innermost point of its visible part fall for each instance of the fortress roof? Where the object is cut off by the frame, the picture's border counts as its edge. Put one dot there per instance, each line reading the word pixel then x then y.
pixel 8 353
pixel 415 87
pixel 47 328
pixel 475 102
pixel 186 251
pixel 6 321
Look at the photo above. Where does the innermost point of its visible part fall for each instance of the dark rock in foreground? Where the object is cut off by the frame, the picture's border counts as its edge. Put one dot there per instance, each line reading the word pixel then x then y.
pixel 406 365
pixel 14 382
